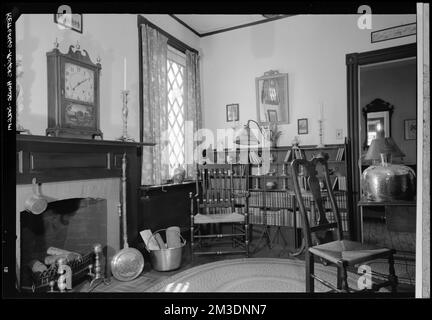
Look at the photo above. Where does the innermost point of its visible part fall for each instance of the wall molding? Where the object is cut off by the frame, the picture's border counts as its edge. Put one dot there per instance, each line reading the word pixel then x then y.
pixel 201 35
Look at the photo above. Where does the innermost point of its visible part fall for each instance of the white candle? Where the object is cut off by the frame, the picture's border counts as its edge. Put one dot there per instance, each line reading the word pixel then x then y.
pixel 322 110
pixel 124 73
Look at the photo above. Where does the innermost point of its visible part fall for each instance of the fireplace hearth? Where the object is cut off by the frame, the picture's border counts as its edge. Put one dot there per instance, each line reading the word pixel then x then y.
pixel 73 224
pixel 80 179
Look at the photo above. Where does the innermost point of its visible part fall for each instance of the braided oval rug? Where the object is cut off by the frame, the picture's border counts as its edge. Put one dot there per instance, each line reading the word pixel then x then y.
pixel 248 275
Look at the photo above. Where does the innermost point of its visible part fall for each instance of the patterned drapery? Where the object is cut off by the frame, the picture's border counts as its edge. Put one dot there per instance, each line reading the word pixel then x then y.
pixel 155 165
pixel 193 109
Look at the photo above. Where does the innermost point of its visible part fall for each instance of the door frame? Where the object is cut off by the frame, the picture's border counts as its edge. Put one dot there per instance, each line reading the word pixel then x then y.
pixel 353 63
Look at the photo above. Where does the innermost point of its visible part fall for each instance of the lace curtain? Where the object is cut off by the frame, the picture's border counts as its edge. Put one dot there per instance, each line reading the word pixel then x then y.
pixel 193 110
pixel 155 168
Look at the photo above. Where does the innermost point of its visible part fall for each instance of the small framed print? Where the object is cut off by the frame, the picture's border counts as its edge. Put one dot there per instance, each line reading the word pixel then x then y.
pixel 302 126
pixel 232 112
pixel 410 129
pixel 272 115
pixel 73 21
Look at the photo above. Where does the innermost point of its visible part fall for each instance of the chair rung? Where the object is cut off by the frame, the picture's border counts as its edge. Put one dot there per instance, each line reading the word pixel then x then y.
pixel 326 283
pixel 218 252
pixel 323 227
pixel 216 204
pixel 223 235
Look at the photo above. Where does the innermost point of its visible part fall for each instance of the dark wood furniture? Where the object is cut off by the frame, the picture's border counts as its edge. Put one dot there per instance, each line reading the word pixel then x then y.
pixel 162 206
pixel 221 198
pixel 353 63
pixel 51 159
pixel 324 239
pixel 400 216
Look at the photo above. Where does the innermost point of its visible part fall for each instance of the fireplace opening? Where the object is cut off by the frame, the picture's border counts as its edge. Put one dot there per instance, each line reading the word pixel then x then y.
pixel 74 225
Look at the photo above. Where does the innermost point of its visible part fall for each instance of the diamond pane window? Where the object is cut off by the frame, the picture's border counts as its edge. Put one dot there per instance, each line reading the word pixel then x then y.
pixel 176 112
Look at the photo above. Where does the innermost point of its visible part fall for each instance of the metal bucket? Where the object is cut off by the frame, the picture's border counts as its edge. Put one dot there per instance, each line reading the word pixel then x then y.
pixel 166 259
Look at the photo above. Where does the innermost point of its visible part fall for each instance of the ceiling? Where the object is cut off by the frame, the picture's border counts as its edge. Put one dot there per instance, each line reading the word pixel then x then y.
pixel 207 24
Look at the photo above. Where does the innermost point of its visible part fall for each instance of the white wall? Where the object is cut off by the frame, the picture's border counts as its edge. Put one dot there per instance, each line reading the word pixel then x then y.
pixel 310 48
pixel 110 36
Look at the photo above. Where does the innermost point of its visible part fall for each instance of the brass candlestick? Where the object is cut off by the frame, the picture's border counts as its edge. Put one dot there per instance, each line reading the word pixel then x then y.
pixel 125 136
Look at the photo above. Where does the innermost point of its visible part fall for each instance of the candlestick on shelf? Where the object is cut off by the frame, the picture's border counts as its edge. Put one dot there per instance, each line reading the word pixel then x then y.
pixel 321 129
pixel 125 111
pixel 124 73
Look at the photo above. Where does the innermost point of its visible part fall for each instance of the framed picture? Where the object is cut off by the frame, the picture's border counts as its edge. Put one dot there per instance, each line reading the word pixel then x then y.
pixel 73 21
pixel 232 112
pixel 394 32
pixel 272 116
pixel 272 97
pixel 410 129
pixel 302 126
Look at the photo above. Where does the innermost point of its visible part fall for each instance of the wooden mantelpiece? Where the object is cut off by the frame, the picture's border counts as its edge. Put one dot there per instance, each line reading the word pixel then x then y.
pixel 55 159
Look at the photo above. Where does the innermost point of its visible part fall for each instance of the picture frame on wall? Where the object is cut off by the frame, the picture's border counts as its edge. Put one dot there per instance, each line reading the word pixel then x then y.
pixel 232 112
pixel 272 95
pixel 302 126
pixel 410 126
pixel 272 115
pixel 72 21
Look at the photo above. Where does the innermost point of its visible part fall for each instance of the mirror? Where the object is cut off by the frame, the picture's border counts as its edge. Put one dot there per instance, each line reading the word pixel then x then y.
pixel 377 116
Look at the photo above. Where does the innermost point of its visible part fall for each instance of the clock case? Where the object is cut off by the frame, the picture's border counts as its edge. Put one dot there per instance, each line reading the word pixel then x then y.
pixel 58 125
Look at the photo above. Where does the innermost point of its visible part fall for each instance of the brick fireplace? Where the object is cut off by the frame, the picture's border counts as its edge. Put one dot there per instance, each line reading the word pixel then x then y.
pixel 74 174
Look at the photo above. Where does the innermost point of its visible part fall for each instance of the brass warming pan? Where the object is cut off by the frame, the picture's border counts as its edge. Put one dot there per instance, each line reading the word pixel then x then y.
pixel 128 263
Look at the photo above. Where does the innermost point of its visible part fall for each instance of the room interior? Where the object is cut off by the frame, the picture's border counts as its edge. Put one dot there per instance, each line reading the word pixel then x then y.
pixel 186 152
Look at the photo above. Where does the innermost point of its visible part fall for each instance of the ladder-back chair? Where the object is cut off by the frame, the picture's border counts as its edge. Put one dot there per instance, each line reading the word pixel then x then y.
pixel 324 240
pixel 221 199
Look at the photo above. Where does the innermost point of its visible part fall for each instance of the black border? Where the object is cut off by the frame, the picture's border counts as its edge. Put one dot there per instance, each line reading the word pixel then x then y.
pixel 8 165
pixel 71 28
pixel 298 126
pixel 395 27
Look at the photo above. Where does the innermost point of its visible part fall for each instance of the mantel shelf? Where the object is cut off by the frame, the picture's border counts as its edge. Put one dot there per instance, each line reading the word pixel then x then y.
pixel 36 138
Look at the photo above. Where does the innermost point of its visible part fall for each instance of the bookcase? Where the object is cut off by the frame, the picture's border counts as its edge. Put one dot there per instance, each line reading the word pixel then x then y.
pixel 272 203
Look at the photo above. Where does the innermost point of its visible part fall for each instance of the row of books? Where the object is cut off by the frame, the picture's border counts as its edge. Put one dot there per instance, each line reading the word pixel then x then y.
pixel 283 199
pixel 340 183
pixel 340 153
pixel 270 199
pixel 285 218
pixel 282 217
pixel 344 219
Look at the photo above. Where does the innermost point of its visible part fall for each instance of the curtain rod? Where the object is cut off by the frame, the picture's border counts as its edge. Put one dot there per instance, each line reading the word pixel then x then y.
pixel 172 41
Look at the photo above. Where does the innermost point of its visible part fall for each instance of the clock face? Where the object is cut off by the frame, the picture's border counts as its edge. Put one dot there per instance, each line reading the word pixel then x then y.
pixel 79 83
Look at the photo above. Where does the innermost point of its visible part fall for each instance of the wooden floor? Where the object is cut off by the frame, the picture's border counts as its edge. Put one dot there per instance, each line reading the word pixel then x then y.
pixel 375 232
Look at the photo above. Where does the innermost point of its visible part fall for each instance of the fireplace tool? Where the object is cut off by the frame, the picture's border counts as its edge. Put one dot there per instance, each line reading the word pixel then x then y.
pixel 128 263
pixel 36 204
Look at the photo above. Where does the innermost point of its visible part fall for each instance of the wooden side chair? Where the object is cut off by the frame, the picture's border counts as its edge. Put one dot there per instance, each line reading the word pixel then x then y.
pixel 324 240
pixel 221 198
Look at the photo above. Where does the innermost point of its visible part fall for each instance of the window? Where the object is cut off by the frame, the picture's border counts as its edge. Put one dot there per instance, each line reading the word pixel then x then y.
pixel 176 108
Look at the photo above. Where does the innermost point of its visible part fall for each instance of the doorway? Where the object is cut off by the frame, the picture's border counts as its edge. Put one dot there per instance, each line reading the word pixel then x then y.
pixel 359 64
pixel 382 93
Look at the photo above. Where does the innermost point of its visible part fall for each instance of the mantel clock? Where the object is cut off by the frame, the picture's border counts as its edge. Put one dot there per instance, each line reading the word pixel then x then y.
pixel 73 94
